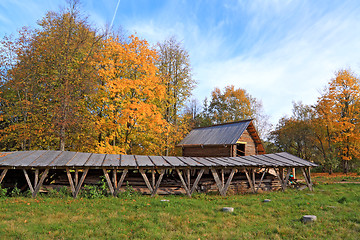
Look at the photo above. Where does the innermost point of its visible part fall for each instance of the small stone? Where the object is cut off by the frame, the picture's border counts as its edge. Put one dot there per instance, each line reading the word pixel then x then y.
pixel 227 209
pixel 267 200
pixel 309 218
pixel 164 200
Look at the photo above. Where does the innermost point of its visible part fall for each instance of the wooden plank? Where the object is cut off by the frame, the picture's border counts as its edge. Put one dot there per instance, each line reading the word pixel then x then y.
pixel 45 159
pixel 197 181
pixel 269 161
pixel 158 182
pixel 78 187
pixel 71 181
pixel 127 161
pixel 111 160
pixel 298 160
pixel 218 162
pixel 261 179
pixel 238 162
pixel 159 161
pixel 256 162
pixel 287 177
pixel 204 162
pixel 3 173
pixel 39 184
pixel 228 182
pixel 123 175
pixel 79 159
pixel 190 161
pixel 108 181
pixel 28 181
pixel 280 158
pixel 183 183
pixel 308 183
pixel 36 177
pixel 10 159
pixel 143 161
pixel 27 160
pixel 174 161
pixel 95 160
pixel 146 180
pixel 249 180
pixel 217 180
pixel 280 178
pixel 62 159
pixel 114 180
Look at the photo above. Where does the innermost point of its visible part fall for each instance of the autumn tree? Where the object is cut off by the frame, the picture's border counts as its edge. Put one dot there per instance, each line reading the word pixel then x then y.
pixel 338 117
pixel 174 71
pixel 45 90
pixel 295 134
pixel 128 101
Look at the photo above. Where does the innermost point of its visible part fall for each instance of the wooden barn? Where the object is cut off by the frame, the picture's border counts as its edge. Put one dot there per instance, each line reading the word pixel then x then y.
pixel 223 140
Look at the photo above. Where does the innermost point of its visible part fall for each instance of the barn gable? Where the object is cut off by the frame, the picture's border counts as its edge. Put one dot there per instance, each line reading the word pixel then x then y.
pixel 228 140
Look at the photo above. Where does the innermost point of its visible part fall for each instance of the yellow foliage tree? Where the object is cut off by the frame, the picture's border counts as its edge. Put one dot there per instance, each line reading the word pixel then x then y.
pixel 338 115
pixel 128 99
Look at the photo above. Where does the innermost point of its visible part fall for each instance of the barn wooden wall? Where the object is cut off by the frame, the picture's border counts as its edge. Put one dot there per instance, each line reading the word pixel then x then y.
pixel 207 151
pixel 250 148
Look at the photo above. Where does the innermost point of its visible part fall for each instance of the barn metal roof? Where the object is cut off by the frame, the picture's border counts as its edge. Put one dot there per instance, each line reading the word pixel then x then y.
pixel 64 159
pixel 220 134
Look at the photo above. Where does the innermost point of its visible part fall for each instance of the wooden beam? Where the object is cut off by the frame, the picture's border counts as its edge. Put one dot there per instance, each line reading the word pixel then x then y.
pixel 146 180
pixel 287 177
pixel 188 178
pixel 76 177
pixel 308 182
pixel 279 177
pixel 153 178
pixel 108 180
pixel 28 181
pixel 217 180
pixel 39 184
pixel 36 176
pixel 3 173
pixel 228 182
pixel 71 181
pixel 78 187
pixel 249 180
pixel 158 182
pixel 183 183
pixel 261 179
pixel 197 180
pixel 123 175
pixel 222 178
pixel 115 178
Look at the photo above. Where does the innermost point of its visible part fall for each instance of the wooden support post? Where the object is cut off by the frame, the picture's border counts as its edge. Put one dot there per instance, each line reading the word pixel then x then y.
pixel 249 180
pixel 108 180
pixel 197 180
pixel 217 180
pixel 72 187
pixel 153 178
pixel 222 178
pixel 39 184
pixel 188 178
pixel 278 174
pixel 158 182
pixel 228 182
pixel 307 178
pixel 261 179
pixel 35 189
pixel 36 176
pixel 75 189
pixel 3 173
pixel 253 177
pixel 28 181
pixel 115 178
pixel 76 177
pixel 146 180
pixel 286 181
pixel 83 176
pixel 183 183
pixel 123 175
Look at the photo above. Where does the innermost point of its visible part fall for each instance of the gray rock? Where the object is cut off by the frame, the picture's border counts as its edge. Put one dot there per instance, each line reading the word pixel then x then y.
pixel 227 209
pixel 309 218
pixel 267 200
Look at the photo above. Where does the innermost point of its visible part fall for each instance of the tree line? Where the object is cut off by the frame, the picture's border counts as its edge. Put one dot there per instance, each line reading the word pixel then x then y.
pixel 66 85
pixel 327 132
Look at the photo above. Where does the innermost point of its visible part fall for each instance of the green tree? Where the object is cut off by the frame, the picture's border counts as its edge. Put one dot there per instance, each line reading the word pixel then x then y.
pixel 45 90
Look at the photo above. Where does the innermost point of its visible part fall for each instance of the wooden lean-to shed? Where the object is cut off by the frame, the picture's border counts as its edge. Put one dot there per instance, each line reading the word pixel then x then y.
pixel 223 140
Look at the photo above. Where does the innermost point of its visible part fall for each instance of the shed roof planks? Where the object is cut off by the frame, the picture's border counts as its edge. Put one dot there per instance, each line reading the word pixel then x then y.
pixel 64 159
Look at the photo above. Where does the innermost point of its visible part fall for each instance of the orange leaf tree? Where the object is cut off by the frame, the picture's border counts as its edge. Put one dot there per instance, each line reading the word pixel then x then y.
pixel 129 118
pixel 338 117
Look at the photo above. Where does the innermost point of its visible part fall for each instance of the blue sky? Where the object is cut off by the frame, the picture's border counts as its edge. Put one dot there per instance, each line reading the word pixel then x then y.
pixel 280 51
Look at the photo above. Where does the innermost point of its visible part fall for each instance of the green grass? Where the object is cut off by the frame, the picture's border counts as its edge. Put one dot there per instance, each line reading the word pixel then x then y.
pixel 337 207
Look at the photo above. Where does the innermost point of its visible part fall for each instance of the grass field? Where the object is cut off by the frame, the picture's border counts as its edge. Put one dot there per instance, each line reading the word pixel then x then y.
pixel 337 207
